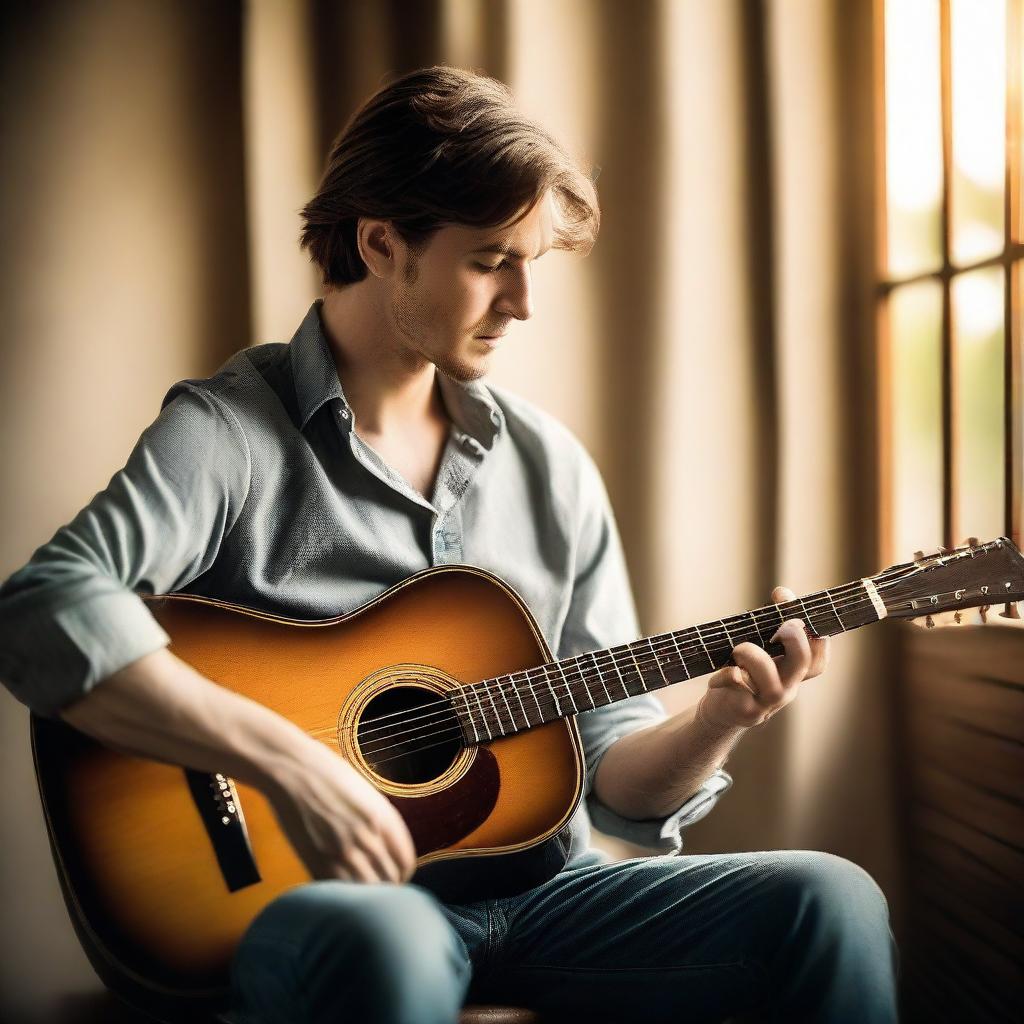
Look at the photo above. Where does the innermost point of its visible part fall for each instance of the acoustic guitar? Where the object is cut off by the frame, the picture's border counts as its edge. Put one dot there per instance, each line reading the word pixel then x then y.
pixel 443 693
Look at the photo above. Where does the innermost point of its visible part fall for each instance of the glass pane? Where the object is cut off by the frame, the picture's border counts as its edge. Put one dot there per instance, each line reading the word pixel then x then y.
pixel 978 41
pixel 979 356
pixel 915 332
pixel 913 130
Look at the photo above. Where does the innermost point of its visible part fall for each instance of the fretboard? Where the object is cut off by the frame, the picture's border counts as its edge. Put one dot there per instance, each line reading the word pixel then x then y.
pixel 498 707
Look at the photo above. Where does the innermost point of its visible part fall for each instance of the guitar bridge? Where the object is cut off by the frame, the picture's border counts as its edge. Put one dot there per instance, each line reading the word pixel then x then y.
pixel 221 813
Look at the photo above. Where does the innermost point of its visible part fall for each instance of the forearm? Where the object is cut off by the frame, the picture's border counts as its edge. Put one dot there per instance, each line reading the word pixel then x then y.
pixel 651 772
pixel 162 708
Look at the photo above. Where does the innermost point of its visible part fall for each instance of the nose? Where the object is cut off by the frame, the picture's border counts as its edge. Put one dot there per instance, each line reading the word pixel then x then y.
pixel 516 298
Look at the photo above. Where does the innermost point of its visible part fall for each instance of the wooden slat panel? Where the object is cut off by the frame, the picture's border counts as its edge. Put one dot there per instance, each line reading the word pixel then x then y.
pixel 969 805
pixel 990 704
pixel 978 758
pixel 948 923
pixel 979 852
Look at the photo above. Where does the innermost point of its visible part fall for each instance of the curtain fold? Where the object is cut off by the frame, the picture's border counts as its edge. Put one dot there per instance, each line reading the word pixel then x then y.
pixel 714 352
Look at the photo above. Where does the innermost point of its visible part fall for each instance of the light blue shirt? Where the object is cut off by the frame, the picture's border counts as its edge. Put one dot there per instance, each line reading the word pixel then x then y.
pixel 252 486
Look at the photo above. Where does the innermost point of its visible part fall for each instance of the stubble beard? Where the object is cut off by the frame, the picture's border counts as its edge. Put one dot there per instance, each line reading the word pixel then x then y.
pixel 413 319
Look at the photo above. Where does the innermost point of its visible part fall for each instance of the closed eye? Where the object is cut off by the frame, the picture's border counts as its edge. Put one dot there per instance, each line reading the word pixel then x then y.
pixel 490 270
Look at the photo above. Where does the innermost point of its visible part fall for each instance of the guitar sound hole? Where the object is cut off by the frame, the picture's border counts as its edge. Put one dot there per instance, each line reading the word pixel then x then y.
pixel 409 735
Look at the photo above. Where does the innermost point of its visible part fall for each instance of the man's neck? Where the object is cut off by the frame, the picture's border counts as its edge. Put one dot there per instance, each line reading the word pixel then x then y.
pixel 391 390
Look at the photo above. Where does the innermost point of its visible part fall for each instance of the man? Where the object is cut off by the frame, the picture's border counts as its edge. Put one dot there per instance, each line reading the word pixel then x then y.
pixel 308 478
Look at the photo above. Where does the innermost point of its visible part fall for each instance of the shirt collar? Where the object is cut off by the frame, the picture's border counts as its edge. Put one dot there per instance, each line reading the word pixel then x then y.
pixel 471 405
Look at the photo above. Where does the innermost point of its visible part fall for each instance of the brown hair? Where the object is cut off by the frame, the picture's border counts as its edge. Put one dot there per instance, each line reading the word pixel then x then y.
pixel 441 145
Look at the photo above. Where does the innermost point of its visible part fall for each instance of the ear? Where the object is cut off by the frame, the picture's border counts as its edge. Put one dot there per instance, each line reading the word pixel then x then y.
pixel 374 239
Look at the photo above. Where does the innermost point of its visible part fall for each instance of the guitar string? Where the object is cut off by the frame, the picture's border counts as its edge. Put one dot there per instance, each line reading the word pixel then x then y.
pixel 585 674
pixel 667 643
pixel 617 657
pixel 451 734
pixel 417 731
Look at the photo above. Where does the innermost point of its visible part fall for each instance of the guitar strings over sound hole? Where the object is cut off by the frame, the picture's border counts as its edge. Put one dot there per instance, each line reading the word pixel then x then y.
pixel 409 735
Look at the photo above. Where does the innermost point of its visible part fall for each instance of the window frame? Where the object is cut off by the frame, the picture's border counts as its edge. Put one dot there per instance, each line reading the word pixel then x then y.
pixel 1011 259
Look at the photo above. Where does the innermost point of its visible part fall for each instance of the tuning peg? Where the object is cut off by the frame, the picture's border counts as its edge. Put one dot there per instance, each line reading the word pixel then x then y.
pixel 918 555
pixel 973 542
pixel 983 611
pixel 957 617
pixel 929 622
pixel 1011 611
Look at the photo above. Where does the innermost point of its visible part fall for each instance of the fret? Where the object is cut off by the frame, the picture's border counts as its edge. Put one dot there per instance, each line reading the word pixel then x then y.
pixel 575 709
pixel 483 717
pixel 732 643
pixel 657 661
pixel 711 661
pixel 835 610
pixel 469 715
pixel 778 611
pixel 497 713
pixel 600 675
pixel 536 699
pixel 807 617
pixel 682 660
pixel 515 686
pixel 757 628
pixel 639 672
pixel 622 678
pixel 558 707
pixel 512 718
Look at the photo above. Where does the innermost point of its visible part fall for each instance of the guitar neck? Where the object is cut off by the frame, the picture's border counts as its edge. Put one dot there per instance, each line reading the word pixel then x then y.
pixel 494 708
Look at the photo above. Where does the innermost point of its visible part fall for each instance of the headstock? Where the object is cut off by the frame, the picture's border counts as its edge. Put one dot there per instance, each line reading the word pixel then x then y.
pixel 945 582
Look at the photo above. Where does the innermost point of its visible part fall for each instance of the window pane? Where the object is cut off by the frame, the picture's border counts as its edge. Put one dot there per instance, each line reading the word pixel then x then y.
pixel 913 131
pixel 915 326
pixel 978 337
pixel 978 40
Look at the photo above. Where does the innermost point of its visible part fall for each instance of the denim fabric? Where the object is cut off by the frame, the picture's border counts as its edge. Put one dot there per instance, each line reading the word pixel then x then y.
pixel 791 936
pixel 253 486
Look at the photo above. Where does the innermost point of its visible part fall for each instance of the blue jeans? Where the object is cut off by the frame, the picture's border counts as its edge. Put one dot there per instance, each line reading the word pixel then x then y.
pixel 796 936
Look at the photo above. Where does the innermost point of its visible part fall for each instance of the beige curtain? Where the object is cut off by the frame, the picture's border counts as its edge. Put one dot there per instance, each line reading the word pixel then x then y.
pixel 714 351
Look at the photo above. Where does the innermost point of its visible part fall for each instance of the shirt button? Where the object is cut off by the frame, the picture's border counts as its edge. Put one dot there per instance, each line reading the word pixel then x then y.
pixel 343 414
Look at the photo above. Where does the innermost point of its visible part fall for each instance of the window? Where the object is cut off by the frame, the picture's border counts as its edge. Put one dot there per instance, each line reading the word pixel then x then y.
pixel 951 294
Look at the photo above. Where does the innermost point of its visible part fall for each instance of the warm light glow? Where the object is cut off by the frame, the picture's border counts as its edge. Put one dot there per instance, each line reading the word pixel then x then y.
pixel 915 324
pixel 979 89
pixel 978 80
pixel 913 135
pixel 913 125
pixel 978 302
pixel 979 385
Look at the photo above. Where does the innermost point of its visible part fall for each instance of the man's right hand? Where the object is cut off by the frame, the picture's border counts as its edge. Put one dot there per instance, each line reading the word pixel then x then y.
pixel 337 822
pixel 162 708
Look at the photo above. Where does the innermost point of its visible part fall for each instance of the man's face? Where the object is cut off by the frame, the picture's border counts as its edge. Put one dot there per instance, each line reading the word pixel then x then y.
pixel 468 282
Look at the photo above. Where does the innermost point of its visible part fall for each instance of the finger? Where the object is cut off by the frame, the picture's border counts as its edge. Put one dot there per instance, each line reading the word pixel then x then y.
pixel 401 846
pixel 762 670
pixel 821 648
pixel 793 665
pixel 362 863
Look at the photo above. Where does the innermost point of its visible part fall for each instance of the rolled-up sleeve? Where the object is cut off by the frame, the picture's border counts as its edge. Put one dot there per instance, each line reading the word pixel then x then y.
pixel 602 614
pixel 72 616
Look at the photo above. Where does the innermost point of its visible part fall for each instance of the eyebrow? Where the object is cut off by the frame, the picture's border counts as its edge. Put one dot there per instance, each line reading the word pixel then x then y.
pixel 503 249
